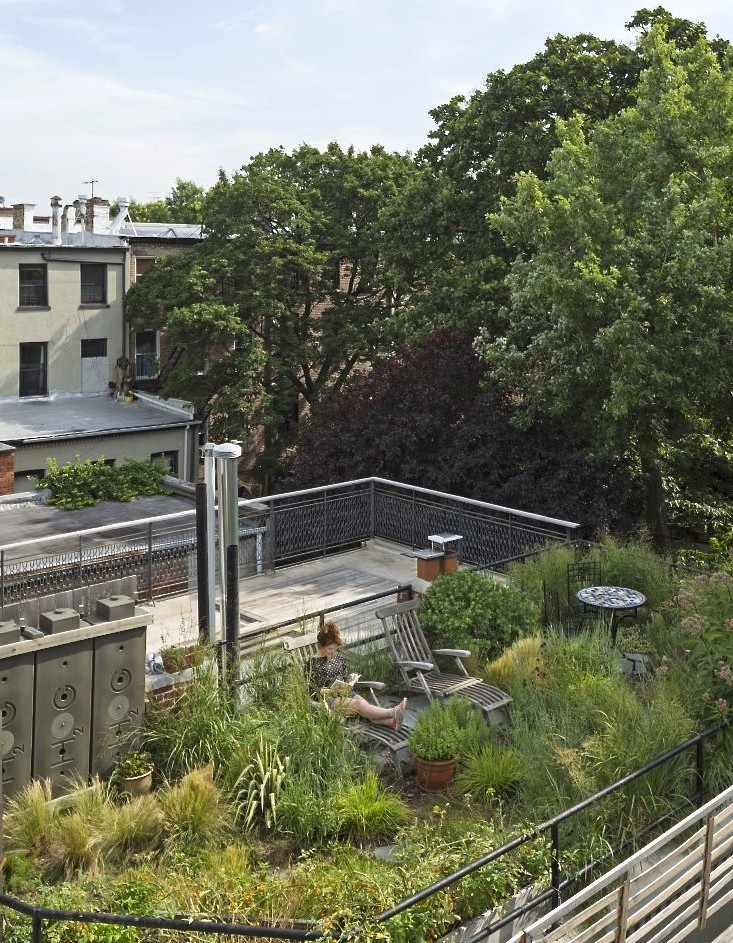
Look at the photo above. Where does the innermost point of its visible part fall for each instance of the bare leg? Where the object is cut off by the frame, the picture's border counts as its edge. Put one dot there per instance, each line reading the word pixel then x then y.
pixel 377 715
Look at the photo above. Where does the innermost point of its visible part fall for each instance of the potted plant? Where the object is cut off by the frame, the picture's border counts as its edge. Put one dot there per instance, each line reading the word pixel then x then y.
pixel 134 772
pixel 435 742
pixel 177 657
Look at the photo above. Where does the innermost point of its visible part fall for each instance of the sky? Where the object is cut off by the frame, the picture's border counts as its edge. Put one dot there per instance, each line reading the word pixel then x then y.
pixel 134 94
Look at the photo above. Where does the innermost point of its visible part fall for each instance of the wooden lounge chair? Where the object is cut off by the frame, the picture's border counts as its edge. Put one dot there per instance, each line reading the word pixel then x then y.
pixel 303 648
pixel 419 670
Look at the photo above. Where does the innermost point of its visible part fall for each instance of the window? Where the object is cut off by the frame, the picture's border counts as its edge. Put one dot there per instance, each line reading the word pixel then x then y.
pixel 169 459
pixel 93 283
pixel 93 347
pixel 33 286
pixel 143 264
pixel 146 354
pixel 32 379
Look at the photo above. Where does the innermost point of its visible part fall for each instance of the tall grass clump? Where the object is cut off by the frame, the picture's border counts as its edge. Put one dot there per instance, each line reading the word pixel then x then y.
pixel 205 727
pixel 519 664
pixel 367 811
pixel 635 563
pixel 549 569
pixel 194 811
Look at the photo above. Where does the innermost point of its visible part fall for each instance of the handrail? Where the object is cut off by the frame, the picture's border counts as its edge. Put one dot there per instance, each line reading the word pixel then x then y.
pixel 550 824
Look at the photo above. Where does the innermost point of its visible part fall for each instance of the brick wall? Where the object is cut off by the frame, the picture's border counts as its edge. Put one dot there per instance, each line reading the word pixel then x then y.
pixel 7 469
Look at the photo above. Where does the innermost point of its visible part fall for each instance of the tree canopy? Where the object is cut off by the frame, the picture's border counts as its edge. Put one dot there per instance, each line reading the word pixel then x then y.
pixel 432 416
pixel 287 285
pixel 621 301
pixel 184 204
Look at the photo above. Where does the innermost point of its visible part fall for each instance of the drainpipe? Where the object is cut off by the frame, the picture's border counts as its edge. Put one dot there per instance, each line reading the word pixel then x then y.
pixel 227 458
pixel 210 540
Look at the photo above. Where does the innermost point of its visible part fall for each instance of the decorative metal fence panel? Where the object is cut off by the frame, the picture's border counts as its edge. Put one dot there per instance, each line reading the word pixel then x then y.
pixel 491 535
pixel 321 521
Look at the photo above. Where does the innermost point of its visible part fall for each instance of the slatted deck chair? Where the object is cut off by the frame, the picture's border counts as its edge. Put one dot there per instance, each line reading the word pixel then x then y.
pixel 419 670
pixel 302 648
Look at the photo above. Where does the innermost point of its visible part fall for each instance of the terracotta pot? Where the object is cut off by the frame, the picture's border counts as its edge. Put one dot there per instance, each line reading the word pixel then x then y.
pixel 434 775
pixel 137 785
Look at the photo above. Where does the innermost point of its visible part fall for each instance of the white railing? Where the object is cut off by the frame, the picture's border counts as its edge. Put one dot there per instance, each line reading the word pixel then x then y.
pixel 663 893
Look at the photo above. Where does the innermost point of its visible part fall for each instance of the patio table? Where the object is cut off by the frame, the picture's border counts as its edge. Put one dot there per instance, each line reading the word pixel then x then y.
pixel 613 599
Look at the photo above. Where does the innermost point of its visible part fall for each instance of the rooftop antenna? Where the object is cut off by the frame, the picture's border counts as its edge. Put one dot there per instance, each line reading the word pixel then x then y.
pixel 91 184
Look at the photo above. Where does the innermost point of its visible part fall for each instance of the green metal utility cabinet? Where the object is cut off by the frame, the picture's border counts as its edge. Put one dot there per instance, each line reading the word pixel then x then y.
pixel 72 698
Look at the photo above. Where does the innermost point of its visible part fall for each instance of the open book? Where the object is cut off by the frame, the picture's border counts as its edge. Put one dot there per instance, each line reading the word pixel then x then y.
pixel 341 688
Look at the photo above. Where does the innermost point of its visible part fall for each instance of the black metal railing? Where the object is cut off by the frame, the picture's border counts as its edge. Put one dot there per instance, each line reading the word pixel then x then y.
pixel 274 531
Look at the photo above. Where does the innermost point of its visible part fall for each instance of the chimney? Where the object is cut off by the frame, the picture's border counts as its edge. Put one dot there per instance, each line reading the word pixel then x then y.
pixel 98 214
pixel 23 216
pixel 81 205
pixel 56 220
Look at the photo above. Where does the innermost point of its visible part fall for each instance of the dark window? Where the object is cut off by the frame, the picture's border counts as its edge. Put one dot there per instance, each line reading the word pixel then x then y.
pixel 146 354
pixel 169 459
pixel 143 264
pixel 93 283
pixel 94 347
pixel 33 286
pixel 32 380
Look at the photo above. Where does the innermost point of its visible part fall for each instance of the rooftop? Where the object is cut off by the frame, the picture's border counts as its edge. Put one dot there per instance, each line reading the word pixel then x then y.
pixel 33 419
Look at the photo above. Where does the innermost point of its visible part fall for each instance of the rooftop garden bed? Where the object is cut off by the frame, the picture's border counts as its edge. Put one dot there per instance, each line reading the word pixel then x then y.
pixel 271 808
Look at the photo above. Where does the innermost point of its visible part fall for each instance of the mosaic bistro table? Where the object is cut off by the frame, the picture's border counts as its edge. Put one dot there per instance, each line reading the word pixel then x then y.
pixel 613 599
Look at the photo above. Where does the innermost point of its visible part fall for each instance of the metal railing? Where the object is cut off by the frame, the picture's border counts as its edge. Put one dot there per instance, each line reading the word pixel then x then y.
pixel 557 883
pixel 274 531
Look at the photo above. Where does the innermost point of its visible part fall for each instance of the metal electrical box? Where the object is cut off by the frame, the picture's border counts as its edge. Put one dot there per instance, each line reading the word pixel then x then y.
pixel 62 723
pixel 118 697
pixel 16 705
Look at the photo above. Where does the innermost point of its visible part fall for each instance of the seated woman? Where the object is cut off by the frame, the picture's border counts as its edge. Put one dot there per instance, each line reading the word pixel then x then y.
pixel 329 665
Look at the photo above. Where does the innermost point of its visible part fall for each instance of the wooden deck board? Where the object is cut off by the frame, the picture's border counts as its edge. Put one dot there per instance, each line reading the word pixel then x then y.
pixel 295 592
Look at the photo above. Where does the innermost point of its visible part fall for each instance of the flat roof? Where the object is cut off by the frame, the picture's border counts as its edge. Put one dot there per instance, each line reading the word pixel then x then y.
pixel 24 522
pixel 33 419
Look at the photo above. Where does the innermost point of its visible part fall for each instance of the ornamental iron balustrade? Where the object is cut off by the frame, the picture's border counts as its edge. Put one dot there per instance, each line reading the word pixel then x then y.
pixel 274 531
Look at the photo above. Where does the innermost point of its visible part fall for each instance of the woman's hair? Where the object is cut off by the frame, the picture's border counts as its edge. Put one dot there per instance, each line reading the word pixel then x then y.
pixel 328 634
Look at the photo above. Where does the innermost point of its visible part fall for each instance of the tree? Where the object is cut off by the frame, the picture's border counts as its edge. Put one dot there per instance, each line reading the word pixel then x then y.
pixel 432 416
pixel 184 204
pixel 438 244
pixel 622 292
pixel 288 283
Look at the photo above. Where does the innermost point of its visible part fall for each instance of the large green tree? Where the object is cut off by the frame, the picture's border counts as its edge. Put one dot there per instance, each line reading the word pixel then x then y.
pixel 287 289
pixel 621 296
pixel 438 243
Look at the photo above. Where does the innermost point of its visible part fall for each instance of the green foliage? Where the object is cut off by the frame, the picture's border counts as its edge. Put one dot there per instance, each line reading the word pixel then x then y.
pixel 490 772
pixel 437 734
pixel 260 784
pixel 204 728
pixel 134 763
pixel 579 727
pixel 611 283
pixel 88 482
pixel 367 811
pixel 281 233
pixel 468 610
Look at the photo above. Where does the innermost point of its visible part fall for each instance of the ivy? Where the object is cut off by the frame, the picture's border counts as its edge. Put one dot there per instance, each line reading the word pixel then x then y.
pixel 85 483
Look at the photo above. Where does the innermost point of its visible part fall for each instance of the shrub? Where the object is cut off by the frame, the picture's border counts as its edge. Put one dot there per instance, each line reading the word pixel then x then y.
pixel 85 483
pixel 488 772
pixel 366 811
pixel 467 610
